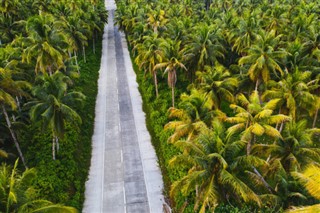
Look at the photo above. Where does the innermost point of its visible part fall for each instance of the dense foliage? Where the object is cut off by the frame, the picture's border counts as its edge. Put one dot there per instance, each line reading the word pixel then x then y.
pixel 49 60
pixel 247 74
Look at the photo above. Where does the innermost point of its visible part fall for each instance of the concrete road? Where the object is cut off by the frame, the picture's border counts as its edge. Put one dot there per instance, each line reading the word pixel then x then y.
pixel 124 175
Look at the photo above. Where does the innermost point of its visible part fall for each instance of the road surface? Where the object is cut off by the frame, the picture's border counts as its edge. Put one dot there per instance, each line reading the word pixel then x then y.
pixel 124 175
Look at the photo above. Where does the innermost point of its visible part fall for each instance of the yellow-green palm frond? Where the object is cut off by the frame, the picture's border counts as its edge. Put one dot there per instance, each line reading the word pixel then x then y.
pixel 209 197
pixel 237 108
pixel 272 104
pixel 190 146
pixel 254 98
pixel 173 124
pixel 271 131
pixel 177 113
pixel 187 184
pixel 274 119
pixel 243 100
pixel 200 126
pixel 239 187
pixel 253 72
pixel 249 161
pixel 311 180
pixel 306 209
pixel 257 129
pixel 265 73
pixel 271 94
pixel 232 130
pixel 264 114
pixel 235 120
pixel 53 208
pixel 246 135
pixel 181 131
pixel 181 160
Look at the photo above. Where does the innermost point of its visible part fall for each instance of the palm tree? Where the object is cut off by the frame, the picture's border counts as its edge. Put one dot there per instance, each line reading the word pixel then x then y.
pixel 295 150
pixel 156 19
pixel 53 105
pixel 17 193
pixel 205 46
pixel 9 89
pixel 276 17
pixel 172 59
pixel 218 84
pixel 75 32
pixel 255 119
pixel 310 178
pixel 194 113
pixel 294 92
pixel 45 44
pixel 149 55
pixel 179 28
pixel 245 33
pixel 209 174
pixel 263 57
pixel 8 8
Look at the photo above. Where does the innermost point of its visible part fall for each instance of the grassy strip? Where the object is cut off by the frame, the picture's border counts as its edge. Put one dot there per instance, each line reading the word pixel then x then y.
pixel 63 180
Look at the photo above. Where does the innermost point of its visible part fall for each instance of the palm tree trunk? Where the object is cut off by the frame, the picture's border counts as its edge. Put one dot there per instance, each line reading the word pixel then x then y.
pixel 57 144
pixel 155 83
pixel 315 119
pixel 93 42
pixel 270 189
pixel 53 147
pixel 93 46
pixel 76 57
pixel 257 84
pixel 18 103
pixel 69 53
pixel 84 53
pixel 249 147
pixel 15 140
pixel 50 70
pixel 172 94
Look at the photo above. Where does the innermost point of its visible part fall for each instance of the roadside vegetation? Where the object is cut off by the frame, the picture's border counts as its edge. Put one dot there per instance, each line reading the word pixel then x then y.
pixel 49 61
pixel 231 91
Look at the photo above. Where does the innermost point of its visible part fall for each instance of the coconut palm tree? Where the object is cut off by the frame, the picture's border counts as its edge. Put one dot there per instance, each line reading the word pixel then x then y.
pixel 205 46
pixel 156 19
pixel 172 59
pixel 263 57
pixel 149 55
pixel 9 89
pixel 17 193
pixel 53 105
pixel 295 150
pixel 194 113
pixel 44 45
pixel 209 175
pixel 294 91
pixel 245 33
pixel 218 84
pixel 75 33
pixel 254 119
